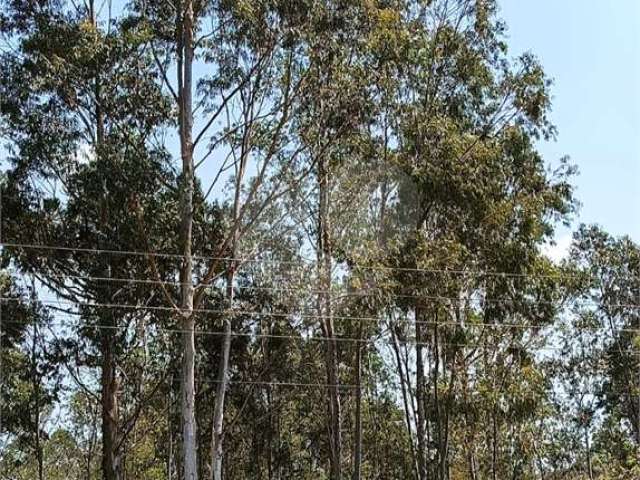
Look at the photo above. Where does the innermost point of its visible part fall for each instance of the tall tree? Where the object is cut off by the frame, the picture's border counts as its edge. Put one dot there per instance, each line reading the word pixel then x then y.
pixel 470 194
pixel 602 350
pixel 30 377
pixel 79 105
pixel 247 91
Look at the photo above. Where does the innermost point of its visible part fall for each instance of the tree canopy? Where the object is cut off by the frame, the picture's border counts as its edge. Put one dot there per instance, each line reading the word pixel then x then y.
pixel 304 240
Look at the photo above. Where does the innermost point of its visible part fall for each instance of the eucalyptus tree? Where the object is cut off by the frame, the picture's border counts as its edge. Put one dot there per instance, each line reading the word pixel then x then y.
pixel 30 382
pixel 603 349
pixel 224 141
pixel 79 108
pixel 238 69
pixel 470 194
pixel 335 124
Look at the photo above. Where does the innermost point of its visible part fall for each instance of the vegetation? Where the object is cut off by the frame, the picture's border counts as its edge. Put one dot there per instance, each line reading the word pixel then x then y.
pixel 298 240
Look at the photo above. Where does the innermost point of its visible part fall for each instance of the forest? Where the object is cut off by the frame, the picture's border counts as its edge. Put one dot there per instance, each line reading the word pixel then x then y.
pixel 299 239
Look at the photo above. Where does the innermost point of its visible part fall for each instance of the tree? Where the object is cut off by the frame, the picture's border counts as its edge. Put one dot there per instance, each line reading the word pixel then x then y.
pixel 471 194
pixel 79 112
pixel 255 65
pixel 604 350
pixel 30 385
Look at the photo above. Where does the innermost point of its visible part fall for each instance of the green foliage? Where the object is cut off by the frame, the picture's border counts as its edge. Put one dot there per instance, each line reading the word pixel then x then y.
pixel 413 122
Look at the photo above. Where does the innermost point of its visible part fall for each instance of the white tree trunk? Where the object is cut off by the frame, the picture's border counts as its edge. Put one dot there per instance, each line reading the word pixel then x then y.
pixel 187 290
pixel 218 418
pixel 217 435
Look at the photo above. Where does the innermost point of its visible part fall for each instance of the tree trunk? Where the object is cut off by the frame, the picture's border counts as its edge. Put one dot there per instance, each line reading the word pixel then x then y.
pixel 169 432
pixel 218 417
pixel 588 447
pixel 404 387
pixel 357 440
pixel 36 385
pixel 494 443
pixel 185 54
pixel 334 404
pixel 189 459
pixel 335 433
pixel 420 397
pixel 109 401
pixel 217 436
pixel 324 311
pixel 440 434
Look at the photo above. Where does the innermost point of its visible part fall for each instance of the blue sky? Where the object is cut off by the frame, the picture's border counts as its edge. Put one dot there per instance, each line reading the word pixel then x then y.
pixel 592 51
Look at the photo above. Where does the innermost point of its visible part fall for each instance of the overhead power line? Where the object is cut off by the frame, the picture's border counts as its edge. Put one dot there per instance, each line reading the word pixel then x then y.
pixel 407 341
pixel 554 391
pixel 439 271
pixel 339 294
pixel 379 321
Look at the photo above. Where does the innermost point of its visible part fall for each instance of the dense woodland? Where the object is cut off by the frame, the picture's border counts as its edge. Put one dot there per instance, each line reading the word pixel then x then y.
pixel 296 239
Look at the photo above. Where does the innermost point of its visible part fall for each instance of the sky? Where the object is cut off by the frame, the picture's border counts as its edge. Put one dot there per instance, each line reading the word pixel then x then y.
pixel 591 49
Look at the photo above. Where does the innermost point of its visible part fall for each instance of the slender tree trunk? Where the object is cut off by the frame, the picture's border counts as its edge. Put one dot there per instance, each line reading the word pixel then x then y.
pixel 436 400
pixel 169 432
pixel 588 447
pixel 324 311
pixel 405 401
pixel 88 468
pixel 111 454
pixel 221 388
pixel 494 443
pixel 334 403
pixel 469 427
pixel 265 329
pixel 109 400
pixel 420 398
pixel 217 436
pixel 473 475
pixel 36 386
pixel 440 434
pixel 92 444
pixel 357 436
pixel 334 400
pixel 185 53
pixel 447 415
pixel 189 459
